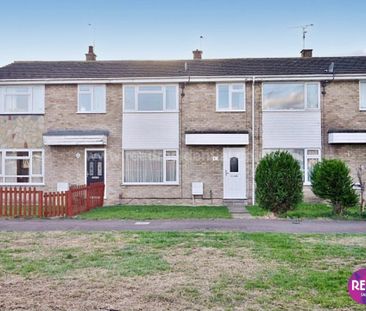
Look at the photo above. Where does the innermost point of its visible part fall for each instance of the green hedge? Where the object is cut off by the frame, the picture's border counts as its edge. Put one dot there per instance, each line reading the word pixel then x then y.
pixel 279 182
pixel 331 181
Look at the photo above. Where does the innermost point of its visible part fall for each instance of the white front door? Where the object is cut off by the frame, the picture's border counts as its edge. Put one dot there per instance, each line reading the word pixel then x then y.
pixel 234 173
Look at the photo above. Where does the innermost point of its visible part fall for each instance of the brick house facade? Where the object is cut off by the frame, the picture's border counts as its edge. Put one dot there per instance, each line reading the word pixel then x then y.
pixel 63 145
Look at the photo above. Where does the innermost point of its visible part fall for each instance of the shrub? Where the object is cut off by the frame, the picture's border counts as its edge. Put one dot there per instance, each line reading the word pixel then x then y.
pixel 331 181
pixel 279 182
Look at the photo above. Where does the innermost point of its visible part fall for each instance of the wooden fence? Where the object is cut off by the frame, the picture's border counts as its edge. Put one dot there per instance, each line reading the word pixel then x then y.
pixel 55 204
pixel 29 202
pixel 84 198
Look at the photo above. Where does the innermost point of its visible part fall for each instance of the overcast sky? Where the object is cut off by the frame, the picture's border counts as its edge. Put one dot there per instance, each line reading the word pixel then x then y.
pixel 170 29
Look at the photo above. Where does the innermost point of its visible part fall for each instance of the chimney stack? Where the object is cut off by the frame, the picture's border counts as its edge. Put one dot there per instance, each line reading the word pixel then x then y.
pixel 90 56
pixel 306 53
pixel 197 54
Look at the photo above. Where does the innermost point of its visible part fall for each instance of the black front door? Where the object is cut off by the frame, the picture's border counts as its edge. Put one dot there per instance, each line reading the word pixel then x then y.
pixel 95 166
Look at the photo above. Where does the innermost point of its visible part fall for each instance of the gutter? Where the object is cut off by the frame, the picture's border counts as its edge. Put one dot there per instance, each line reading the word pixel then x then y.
pixel 183 79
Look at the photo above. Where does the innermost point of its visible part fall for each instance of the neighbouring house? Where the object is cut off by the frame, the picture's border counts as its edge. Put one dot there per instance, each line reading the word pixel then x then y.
pixel 167 131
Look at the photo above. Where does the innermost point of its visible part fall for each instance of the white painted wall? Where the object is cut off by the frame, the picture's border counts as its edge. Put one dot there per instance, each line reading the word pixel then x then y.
pixel 217 139
pixel 150 130
pixel 291 129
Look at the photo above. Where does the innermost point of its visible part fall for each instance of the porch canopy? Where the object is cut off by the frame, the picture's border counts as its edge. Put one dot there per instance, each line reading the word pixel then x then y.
pixel 347 136
pixel 217 138
pixel 75 137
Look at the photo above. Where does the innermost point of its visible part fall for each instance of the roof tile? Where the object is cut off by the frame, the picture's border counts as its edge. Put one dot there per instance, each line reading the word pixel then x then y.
pixel 176 68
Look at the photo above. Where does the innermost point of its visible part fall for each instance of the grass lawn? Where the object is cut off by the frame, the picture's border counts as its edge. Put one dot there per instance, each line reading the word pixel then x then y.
pixel 145 212
pixel 177 271
pixel 308 210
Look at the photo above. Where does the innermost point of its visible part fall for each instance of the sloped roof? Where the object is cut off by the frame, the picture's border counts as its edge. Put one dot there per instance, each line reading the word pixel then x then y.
pixel 176 68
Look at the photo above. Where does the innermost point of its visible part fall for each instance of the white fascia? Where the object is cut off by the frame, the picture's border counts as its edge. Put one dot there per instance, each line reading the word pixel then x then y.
pixel 185 79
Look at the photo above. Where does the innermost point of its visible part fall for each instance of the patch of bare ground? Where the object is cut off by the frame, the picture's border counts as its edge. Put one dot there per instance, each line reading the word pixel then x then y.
pixel 354 240
pixel 60 240
pixel 44 245
pixel 200 279
pixel 209 277
pixel 171 291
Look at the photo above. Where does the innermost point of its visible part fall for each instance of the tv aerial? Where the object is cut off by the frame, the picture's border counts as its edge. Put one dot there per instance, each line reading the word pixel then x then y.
pixel 305 29
pixel 92 33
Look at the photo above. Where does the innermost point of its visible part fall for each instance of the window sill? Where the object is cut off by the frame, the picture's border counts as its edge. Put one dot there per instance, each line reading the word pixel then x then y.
pixel 22 184
pixel 294 110
pixel 149 184
pixel 91 112
pixel 22 114
pixel 159 111
pixel 230 110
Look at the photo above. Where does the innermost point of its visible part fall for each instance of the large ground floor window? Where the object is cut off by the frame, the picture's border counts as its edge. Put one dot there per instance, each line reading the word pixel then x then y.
pixel 307 158
pixel 150 166
pixel 21 166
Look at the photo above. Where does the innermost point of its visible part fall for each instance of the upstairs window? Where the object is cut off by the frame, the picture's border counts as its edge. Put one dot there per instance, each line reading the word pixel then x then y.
pixel 150 98
pixel 230 97
pixel 290 96
pixel 362 95
pixel 92 98
pixel 22 99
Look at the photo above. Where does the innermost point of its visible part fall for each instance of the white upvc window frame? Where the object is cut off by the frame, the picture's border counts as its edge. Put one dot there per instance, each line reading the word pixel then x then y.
pixel 305 85
pixel 30 94
pixel 165 158
pixel 137 91
pixel 91 92
pixel 307 181
pixel 362 97
pixel 231 91
pixel 30 175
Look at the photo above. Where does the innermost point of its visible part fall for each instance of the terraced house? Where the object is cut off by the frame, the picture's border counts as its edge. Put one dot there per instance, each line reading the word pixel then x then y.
pixel 173 131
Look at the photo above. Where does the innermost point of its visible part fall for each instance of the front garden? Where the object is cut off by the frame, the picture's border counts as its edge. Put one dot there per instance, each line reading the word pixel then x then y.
pixel 178 271
pixel 149 212
pixel 279 189
pixel 309 211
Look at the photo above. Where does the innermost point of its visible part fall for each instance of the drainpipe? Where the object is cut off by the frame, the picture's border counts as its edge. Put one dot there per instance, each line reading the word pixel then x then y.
pixel 253 140
pixel 182 87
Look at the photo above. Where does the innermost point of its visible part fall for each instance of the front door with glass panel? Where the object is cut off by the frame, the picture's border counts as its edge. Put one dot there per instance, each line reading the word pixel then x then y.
pixel 234 173
pixel 94 166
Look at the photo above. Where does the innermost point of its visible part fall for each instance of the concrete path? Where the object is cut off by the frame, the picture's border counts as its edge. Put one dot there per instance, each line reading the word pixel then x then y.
pixel 237 209
pixel 244 225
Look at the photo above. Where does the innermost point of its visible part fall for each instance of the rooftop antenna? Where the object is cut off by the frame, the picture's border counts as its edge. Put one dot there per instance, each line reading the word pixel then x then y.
pixel 331 67
pixel 201 40
pixel 92 33
pixel 324 83
pixel 304 32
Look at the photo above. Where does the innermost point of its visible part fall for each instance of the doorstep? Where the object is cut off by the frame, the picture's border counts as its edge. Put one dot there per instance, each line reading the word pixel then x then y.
pixel 237 209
